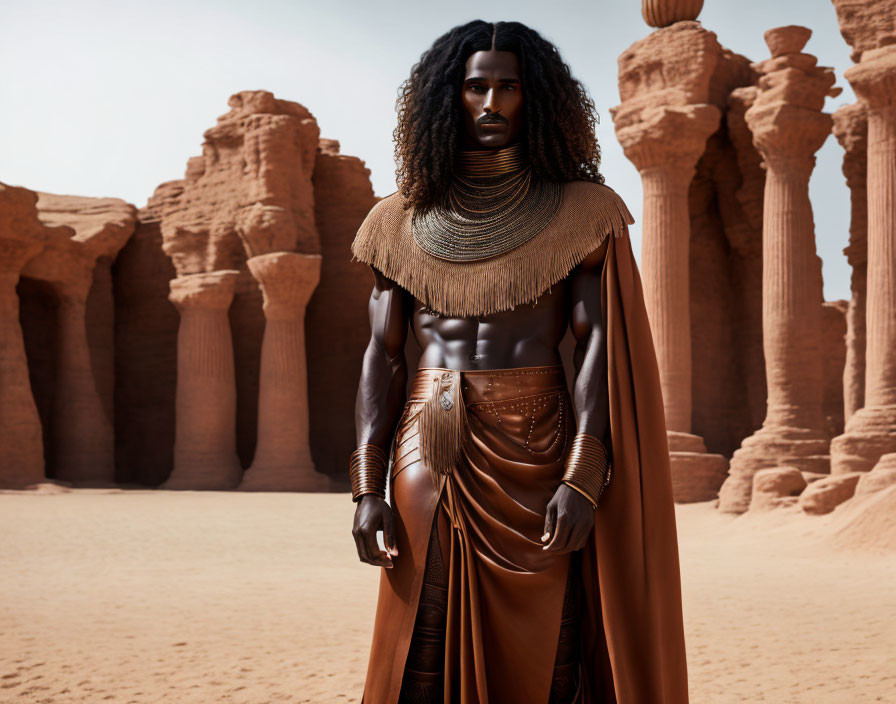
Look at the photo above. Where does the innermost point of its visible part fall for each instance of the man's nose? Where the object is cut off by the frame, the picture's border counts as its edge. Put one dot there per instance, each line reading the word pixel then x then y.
pixel 489 105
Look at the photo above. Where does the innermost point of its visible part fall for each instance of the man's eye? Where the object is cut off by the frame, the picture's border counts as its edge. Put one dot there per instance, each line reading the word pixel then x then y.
pixel 476 88
pixel 510 87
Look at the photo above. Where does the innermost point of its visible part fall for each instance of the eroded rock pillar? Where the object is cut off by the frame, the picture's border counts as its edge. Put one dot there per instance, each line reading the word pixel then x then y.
pixel 205 415
pixel 871 431
pixel 665 146
pixel 788 128
pixel 21 442
pixel 83 438
pixel 851 130
pixel 283 453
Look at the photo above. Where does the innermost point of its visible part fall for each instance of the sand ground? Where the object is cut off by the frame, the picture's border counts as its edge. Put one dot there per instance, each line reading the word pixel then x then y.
pixel 160 596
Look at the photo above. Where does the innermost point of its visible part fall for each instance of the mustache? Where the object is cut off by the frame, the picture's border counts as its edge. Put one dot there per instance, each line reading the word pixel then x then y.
pixel 491 117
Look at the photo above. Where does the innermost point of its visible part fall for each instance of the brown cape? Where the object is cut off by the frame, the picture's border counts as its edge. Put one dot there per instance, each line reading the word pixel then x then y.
pixel 633 635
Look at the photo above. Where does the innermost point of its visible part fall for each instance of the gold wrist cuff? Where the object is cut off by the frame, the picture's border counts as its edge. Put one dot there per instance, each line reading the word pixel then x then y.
pixel 582 492
pixel 587 468
pixel 367 471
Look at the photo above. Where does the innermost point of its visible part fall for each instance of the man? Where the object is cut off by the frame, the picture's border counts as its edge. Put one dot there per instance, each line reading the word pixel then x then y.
pixel 516 569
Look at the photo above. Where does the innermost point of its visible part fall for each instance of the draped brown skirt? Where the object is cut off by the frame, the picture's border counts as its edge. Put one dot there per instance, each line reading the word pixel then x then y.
pixel 505 593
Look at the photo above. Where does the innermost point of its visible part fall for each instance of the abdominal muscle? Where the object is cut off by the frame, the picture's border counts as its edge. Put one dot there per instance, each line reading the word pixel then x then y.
pixel 527 336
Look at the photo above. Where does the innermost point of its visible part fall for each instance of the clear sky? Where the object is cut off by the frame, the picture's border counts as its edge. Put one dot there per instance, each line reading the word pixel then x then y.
pixel 111 98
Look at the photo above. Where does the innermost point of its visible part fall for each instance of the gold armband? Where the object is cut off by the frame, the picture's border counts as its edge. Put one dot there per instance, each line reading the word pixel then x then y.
pixel 587 468
pixel 367 471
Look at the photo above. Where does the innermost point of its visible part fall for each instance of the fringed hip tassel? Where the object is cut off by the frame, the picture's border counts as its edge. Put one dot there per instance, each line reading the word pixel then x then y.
pixel 443 424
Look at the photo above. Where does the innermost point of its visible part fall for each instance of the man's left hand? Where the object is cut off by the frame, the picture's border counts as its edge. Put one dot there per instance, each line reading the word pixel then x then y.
pixel 569 521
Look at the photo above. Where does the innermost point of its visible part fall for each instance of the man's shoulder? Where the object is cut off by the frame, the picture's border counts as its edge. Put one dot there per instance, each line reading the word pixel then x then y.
pixel 385 222
pixel 592 197
pixel 391 205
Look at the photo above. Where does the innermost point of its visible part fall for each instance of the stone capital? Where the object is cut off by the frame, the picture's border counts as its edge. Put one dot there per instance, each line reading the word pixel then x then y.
pixel 266 228
pixel 798 88
pixel 666 136
pixel 74 289
pixel 782 132
pixel 288 280
pixel 212 290
pixel 851 131
pixel 15 252
pixel 874 78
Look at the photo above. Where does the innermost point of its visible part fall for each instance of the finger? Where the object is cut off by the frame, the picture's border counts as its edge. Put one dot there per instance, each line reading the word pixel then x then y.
pixel 389 533
pixel 561 534
pixel 361 545
pixel 588 532
pixel 377 556
pixel 583 541
pixel 578 539
pixel 549 520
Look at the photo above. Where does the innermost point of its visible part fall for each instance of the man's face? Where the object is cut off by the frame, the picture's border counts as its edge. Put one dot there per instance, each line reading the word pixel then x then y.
pixel 492 98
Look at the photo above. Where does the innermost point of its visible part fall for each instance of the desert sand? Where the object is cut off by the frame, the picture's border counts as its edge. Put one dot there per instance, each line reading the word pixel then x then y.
pixel 165 596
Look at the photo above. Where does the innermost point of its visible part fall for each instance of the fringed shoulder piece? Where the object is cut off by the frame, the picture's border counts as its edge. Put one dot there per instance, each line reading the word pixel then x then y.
pixel 588 213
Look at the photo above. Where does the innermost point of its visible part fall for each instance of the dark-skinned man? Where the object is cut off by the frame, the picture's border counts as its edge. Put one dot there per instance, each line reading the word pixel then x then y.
pixel 501 238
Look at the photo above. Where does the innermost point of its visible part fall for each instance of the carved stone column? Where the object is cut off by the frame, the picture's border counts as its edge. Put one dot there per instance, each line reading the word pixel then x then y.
pixel 663 123
pixel 77 267
pixel 664 145
pixel 851 130
pixel 666 154
pixel 788 128
pixel 83 438
pixel 205 437
pixel 283 453
pixel 871 431
pixel 21 441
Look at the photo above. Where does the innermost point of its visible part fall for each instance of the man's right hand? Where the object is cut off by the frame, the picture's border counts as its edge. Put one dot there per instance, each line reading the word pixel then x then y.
pixel 371 515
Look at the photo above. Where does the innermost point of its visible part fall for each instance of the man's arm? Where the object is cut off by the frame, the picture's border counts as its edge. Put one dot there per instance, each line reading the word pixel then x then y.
pixel 378 406
pixel 590 391
pixel 570 514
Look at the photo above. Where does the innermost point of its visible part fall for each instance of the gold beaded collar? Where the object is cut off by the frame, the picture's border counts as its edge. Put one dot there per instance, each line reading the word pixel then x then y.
pixel 493 205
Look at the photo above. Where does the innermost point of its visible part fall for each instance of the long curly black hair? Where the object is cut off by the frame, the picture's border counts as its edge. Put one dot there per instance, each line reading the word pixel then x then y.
pixel 559 115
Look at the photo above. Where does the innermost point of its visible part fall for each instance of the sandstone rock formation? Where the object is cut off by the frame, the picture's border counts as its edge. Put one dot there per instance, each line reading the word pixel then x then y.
pixel 833 364
pixel 205 442
pixel 663 123
pixel 776 487
pixel 250 194
pixel 146 325
pixel 78 270
pixel 871 431
pixel 882 476
pixel 851 130
pixel 866 24
pixel 788 127
pixel 725 202
pixel 342 198
pixel 296 199
pixel 240 320
pixel 61 424
pixel 826 494
pixel 22 237
pixel 283 453
pixel 662 13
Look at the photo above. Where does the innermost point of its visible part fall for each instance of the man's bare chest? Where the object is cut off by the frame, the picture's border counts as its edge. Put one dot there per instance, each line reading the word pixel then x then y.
pixel 543 317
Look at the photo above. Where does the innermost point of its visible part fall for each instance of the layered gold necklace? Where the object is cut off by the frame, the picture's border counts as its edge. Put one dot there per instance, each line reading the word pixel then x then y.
pixel 492 206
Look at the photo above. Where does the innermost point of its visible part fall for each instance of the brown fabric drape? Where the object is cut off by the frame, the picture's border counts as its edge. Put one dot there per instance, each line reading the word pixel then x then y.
pixel 505 594
pixel 635 634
